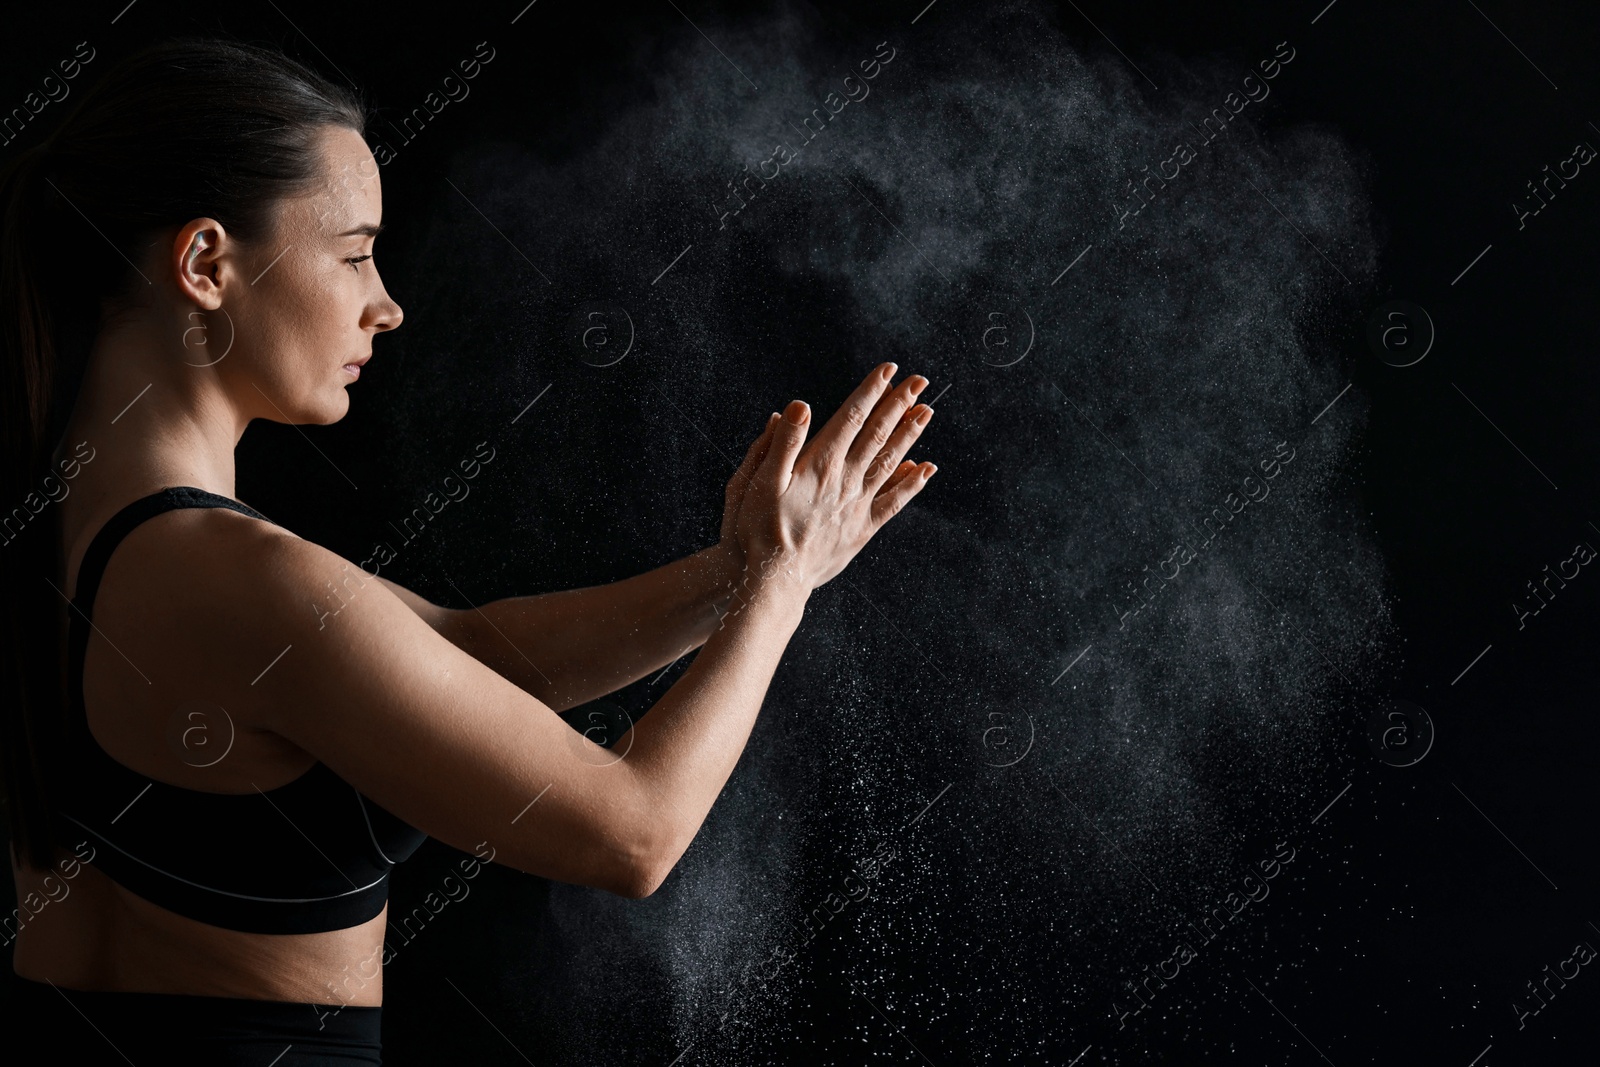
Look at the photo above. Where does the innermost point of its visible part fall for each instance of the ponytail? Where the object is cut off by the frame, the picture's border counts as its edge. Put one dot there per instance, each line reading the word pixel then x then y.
pixel 33 618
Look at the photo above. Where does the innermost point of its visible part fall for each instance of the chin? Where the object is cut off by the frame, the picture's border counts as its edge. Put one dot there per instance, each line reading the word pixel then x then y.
pixel 324 410
pixel 338 408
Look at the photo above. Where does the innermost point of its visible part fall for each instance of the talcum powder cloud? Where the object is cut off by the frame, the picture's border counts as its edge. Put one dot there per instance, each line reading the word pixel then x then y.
pixel 990 154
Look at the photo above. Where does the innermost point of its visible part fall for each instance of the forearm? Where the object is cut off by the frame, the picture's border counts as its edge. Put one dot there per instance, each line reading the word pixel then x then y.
pixel 572 646
pixel 682 752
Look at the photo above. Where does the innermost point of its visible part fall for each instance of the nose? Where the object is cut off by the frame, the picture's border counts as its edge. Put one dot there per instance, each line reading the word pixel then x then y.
pixel 385 314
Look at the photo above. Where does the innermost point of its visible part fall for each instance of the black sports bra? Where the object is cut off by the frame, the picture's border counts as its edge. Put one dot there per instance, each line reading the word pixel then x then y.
pixel 310 856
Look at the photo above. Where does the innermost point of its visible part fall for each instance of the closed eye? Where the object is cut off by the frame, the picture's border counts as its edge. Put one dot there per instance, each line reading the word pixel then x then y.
pixel 356 261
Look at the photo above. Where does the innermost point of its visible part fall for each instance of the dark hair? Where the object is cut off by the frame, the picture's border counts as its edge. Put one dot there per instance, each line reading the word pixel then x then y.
pixel 177 131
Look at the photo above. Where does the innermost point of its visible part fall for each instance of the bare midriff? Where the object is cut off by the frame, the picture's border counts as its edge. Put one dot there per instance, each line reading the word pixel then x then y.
pixel 98 936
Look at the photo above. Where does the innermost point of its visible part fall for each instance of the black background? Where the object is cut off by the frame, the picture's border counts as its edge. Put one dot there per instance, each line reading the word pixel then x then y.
pixel 1413 921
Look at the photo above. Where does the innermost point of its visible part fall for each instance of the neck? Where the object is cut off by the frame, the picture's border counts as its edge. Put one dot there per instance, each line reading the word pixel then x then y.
pixel 152 418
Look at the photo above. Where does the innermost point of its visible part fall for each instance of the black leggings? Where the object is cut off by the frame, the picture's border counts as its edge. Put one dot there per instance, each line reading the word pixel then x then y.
pixel 162 1029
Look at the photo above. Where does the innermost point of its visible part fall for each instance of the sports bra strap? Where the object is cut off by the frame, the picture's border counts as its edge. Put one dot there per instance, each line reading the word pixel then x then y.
pixel 98 554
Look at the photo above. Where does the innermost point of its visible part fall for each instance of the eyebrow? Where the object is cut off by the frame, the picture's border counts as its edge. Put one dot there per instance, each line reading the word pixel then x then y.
pixel 368 230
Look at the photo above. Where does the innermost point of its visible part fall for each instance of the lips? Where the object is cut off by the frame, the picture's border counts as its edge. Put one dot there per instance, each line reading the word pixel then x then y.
pixel 354 369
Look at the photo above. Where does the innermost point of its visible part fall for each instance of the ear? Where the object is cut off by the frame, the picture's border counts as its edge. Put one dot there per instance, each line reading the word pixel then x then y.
pixel 196 260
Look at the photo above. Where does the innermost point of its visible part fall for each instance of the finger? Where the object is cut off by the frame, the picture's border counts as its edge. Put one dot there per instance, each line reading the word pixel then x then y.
pixel 752 457
pixel 883 421
pixel 788 436
pixel 900 472
pixel 833 441
pixel 894 450
pixel 887 505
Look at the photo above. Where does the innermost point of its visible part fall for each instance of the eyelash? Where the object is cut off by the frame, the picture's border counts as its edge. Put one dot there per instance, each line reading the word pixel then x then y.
pixel 356 261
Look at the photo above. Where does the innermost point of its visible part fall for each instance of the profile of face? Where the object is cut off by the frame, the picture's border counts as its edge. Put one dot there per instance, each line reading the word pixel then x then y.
pixel 284 322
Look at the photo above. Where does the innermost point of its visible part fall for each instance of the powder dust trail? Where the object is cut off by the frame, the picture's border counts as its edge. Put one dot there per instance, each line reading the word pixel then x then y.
pixel 1181 354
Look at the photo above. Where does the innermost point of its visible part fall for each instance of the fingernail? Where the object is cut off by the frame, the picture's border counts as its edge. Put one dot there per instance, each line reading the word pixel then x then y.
pixel 797 412
pixel 934 470
pixel 772 418
pixel 919 385
pixel 888 370
pixel 926 414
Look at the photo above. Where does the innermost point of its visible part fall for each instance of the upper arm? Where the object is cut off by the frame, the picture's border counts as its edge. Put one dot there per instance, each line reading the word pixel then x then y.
pixel 440 618
pixel 430 733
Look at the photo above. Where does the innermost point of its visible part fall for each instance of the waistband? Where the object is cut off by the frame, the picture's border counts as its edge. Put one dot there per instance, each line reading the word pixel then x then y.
pixel 184 1028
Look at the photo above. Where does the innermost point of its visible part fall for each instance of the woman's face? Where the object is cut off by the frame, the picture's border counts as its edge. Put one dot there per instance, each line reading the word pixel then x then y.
pixel 305 318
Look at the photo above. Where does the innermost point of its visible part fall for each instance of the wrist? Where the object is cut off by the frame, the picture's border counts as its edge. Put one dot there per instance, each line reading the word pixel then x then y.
pixel 725 564
pixel 772 572
pixel 772 599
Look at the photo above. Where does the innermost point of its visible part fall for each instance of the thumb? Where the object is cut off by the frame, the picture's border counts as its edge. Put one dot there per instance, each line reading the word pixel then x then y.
pixel 753 456
pixel 777 466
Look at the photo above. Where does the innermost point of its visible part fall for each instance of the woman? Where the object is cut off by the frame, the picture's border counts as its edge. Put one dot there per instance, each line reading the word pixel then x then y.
pixel 210 772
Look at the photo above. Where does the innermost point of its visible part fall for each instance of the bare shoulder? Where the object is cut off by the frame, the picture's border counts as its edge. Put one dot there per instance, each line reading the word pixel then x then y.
pixel 189 596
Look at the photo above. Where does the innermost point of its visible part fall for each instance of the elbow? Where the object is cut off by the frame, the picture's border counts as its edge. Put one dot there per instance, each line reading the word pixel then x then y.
pixel 642 880
pixel 640 874
pixel 650 866
pixel 645 847
pixel 641 868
